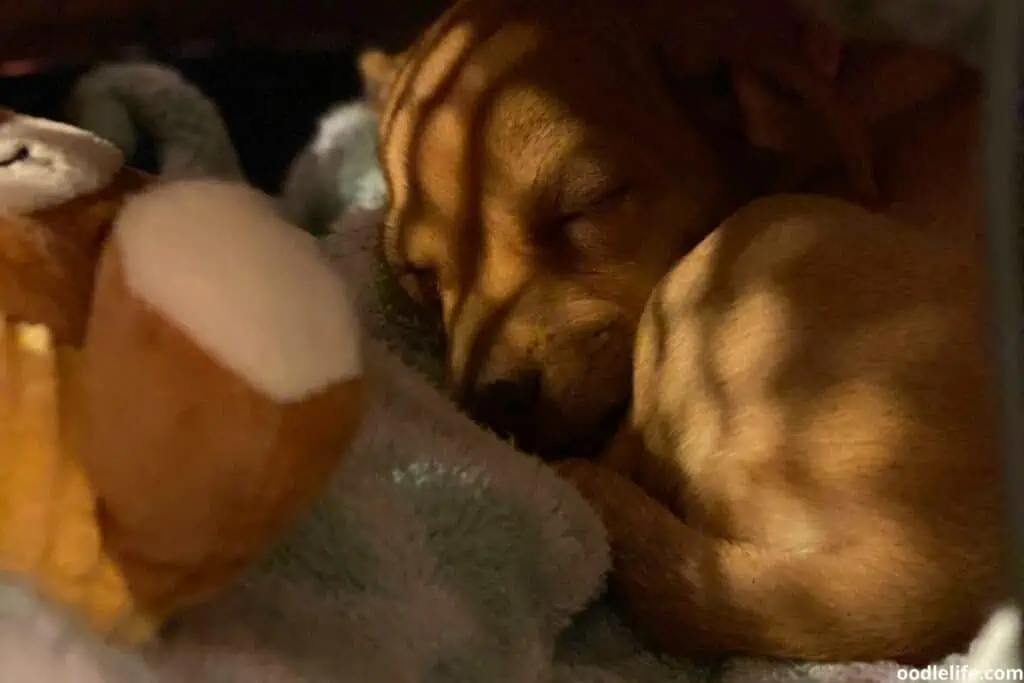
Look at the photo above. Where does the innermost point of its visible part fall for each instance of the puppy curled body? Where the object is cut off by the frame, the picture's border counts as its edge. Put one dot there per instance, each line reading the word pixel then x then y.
pixel 809 466
pixel 813 425
pixel 809 441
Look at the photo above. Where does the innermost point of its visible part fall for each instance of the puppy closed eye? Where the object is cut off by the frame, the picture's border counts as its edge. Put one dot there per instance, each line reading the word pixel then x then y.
pixel 589 231
pixel 585 235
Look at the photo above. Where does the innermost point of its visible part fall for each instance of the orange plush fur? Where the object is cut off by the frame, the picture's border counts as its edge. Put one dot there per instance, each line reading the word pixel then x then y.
pixel 208 370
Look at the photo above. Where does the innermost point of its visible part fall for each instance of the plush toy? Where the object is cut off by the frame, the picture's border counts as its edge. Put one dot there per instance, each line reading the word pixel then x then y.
pixel 179 374
pixel 130 103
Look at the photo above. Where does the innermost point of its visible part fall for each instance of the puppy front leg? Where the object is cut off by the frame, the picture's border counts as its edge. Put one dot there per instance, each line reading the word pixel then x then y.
pixel 656 562
pixel 691 593
pixel 624 451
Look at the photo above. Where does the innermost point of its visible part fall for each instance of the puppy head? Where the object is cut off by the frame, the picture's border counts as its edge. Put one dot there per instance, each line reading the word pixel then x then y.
pixel 544 170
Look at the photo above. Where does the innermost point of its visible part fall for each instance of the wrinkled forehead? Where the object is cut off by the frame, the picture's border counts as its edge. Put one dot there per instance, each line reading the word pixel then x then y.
pixel 464 94
pixel 488 44
pixel 460 67
pixel 513 97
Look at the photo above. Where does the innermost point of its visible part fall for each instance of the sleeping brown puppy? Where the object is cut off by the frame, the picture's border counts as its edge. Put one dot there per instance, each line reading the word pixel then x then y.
pixel 547 163
pixel 811 420
pixel 813 437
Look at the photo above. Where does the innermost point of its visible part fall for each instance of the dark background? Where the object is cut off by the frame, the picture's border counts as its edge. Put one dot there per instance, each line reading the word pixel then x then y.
pixel 271 66
pixel 270 100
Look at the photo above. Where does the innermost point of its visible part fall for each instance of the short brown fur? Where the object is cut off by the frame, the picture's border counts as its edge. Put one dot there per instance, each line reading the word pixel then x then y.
pixel 813 410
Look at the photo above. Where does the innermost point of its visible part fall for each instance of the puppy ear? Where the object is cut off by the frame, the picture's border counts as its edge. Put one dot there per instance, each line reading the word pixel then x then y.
pixel 378 71
pixel 773 120
pixel 821 46
pixel 784 63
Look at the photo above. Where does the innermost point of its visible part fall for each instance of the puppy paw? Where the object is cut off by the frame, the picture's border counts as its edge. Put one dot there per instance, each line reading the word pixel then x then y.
pixel 631 517
pixel 606 491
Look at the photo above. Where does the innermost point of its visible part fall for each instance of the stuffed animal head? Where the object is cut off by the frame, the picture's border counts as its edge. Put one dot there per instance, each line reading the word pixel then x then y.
pixel 180 373
pixel 60 188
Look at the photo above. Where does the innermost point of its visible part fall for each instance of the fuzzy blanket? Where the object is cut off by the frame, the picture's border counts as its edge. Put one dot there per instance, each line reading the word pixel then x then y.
pixel 438 553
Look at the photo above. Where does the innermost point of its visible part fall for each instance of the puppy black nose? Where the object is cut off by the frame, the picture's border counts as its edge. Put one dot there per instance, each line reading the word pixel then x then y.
pixel 506 406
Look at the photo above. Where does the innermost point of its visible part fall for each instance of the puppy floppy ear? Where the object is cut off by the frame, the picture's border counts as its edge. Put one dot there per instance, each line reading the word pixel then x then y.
pixel 784 64
pixel 378 71
pixel 773 120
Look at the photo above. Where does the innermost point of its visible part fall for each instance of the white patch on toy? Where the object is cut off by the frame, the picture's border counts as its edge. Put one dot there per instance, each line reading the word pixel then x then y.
pixel 217 261
pixel 44 163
